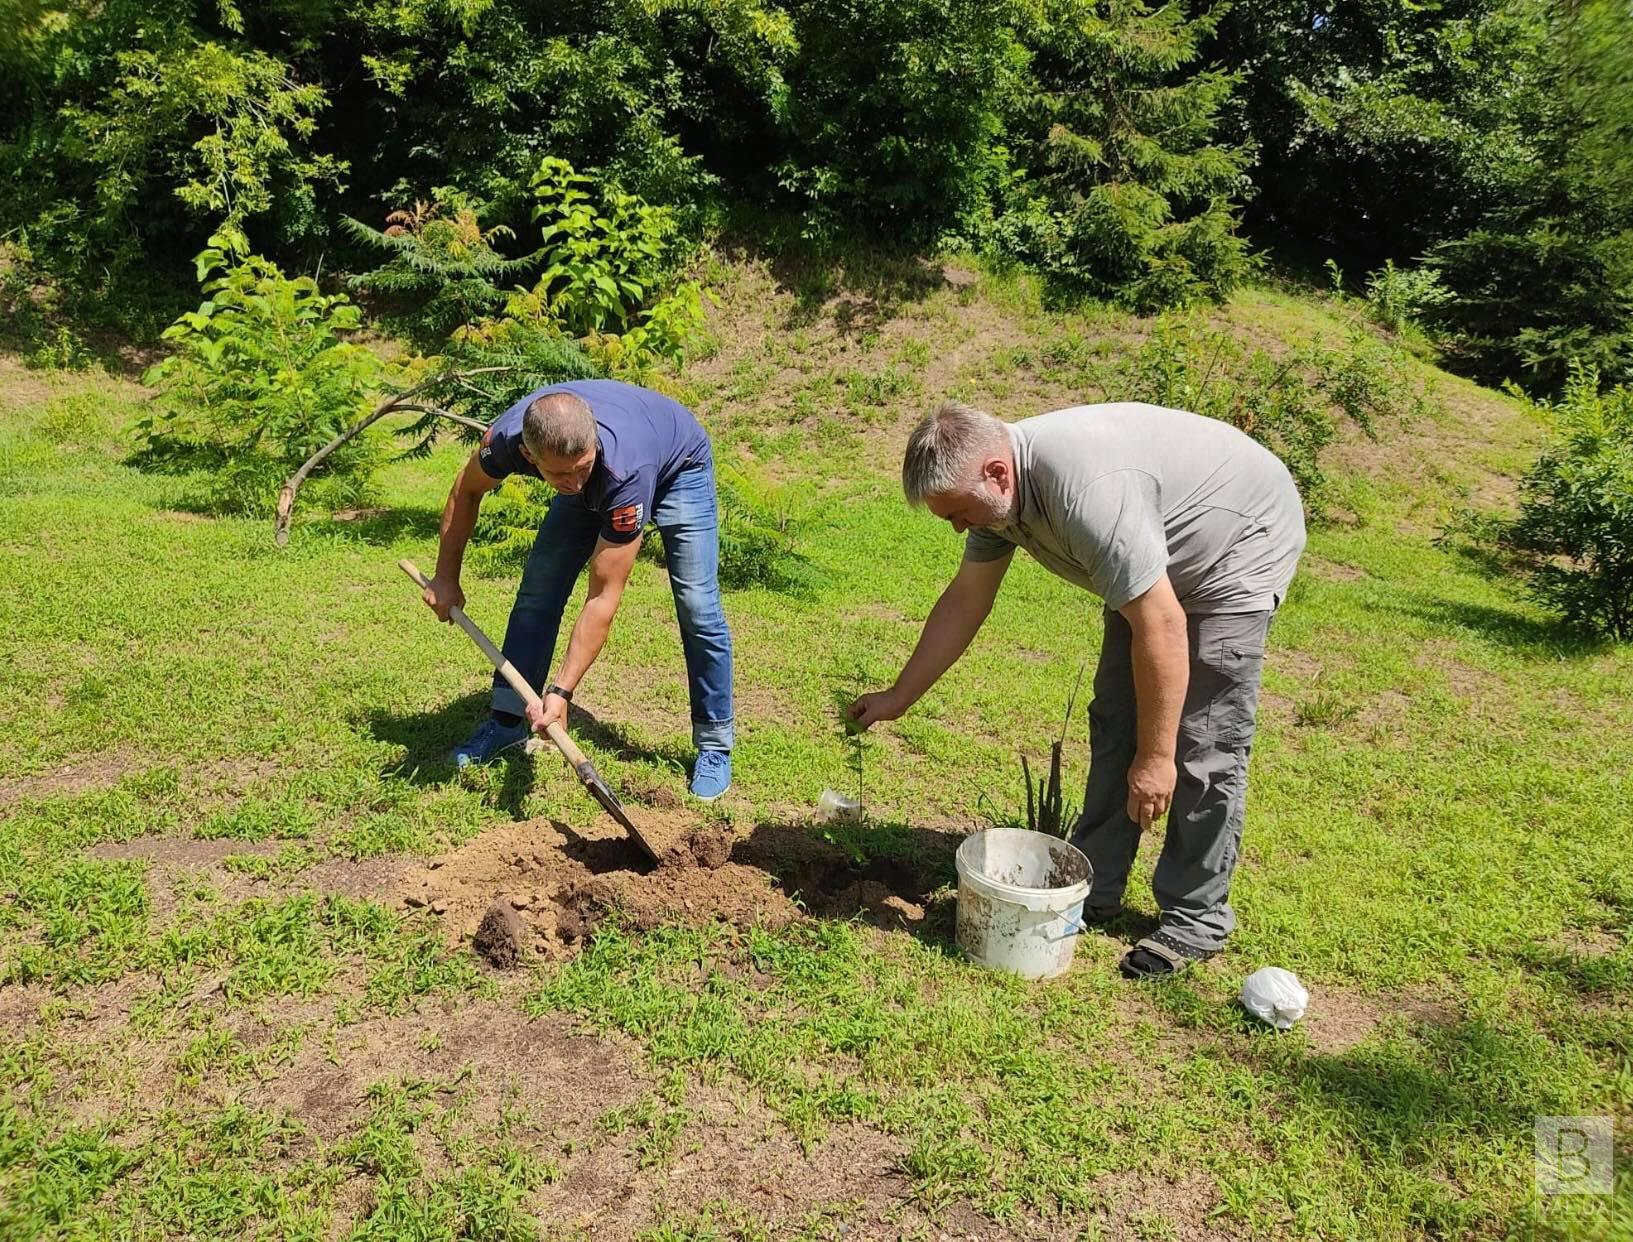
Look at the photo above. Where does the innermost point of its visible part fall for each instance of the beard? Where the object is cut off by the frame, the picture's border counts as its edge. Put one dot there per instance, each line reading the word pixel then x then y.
pixel 995 509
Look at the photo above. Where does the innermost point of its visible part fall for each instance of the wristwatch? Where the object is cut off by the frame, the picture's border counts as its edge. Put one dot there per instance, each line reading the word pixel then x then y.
pixel 552 688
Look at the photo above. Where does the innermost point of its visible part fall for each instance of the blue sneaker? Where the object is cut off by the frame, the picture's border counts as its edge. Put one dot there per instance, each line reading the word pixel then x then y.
pixel 490 738
pixel 711 776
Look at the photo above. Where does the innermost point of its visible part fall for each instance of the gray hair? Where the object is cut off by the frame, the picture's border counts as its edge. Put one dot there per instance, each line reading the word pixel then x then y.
pixel 558 424
pixel 946 449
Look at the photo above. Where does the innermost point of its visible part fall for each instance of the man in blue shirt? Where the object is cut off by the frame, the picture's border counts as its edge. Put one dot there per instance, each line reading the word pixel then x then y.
pixel 619 457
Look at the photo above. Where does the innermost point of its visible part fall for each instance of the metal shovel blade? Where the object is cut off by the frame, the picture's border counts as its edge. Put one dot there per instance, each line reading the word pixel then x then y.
pixel 602 793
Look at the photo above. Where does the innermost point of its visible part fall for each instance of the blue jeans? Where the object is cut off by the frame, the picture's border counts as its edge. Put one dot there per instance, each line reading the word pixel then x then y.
pixel 686 514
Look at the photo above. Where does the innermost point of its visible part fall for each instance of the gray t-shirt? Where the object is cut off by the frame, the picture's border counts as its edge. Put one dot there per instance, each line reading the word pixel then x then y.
pixel 1111 496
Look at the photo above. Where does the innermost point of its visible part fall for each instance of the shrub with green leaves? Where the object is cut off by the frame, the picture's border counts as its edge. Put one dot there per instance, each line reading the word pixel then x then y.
pixel 1289 403
pixel 442 270
pixel 507 525
pixel 1396 296
pixel 1131 187
pixel 609 278
pixel 261 377
pixel 1576 515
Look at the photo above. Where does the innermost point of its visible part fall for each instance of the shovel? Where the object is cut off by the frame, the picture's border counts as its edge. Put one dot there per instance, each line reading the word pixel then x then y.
pixel 587 775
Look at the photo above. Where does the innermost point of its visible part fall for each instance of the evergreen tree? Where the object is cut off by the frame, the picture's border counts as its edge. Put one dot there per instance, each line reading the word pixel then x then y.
pixel 1546 279
pixel 442 272
pixel 1129 194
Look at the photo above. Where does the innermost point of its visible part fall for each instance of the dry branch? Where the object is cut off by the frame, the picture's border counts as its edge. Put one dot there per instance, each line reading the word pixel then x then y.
pixel 397 401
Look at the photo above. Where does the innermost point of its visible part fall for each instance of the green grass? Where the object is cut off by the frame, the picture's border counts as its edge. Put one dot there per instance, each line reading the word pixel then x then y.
pixel 1437 838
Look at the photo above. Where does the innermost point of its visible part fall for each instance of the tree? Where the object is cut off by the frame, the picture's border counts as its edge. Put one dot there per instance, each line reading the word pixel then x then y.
pixel 1131 195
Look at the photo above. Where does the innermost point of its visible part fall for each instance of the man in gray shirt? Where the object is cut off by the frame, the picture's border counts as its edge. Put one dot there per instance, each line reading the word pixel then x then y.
pixel 1190 531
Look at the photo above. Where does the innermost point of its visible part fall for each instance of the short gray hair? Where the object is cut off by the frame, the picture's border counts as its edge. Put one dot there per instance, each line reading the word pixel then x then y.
pixel 558 424
pixel 946 447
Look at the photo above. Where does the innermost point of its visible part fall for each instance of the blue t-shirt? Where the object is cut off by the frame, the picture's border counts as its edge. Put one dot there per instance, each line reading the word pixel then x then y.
pixel 644 439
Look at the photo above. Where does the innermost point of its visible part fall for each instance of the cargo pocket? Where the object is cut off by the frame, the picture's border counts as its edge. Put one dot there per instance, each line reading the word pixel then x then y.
pixel 1236 663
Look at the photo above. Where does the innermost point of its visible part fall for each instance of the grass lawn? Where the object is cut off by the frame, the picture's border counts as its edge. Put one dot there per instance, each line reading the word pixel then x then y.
pixel 222 778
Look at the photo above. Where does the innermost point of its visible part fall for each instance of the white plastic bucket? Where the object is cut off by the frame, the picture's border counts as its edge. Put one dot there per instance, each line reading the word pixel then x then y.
pixel 1020 901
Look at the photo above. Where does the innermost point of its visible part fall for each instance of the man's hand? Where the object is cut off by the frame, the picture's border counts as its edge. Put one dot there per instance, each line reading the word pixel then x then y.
pixel 1151 781
pixel 872 708
pixel 552 711
pixel 442 596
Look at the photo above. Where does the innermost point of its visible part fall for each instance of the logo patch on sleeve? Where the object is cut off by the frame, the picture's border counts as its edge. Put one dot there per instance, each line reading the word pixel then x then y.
pixel 627 519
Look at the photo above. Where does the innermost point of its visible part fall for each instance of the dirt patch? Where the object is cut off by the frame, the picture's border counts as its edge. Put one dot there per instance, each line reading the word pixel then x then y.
pixel 354 878
pixel 102 772
pixel 560 883
pixel 1333 571
pixel 555 884
pixel 1339 1018
pixel 180 851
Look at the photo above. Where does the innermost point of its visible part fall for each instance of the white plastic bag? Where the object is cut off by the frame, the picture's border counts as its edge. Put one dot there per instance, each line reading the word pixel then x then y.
pixel 1275 996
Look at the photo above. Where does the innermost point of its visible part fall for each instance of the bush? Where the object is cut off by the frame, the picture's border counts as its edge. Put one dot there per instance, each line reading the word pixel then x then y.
pixel 1396 296
pixel 1130 193
pixel 443 271
pixel 507 526
pixel 761 524
pixel 1575 526
pixel 893 114
pixel 261 377
pixel 1290 403
pixel 610 279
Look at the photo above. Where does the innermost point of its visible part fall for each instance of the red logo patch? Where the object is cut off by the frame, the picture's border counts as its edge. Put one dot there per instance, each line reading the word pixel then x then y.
pixel 627 519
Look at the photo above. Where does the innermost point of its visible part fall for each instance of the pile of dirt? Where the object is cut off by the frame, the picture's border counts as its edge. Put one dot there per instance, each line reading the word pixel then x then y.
pixel 543 887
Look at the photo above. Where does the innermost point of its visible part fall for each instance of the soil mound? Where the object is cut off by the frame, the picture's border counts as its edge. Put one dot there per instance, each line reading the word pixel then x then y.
pixel 542 887
pixel 554 884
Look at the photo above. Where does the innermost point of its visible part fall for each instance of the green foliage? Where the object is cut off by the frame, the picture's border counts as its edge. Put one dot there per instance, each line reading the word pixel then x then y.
pixel 1290 403
pixel 1530 297
pixel 1576 513
pixel 1492 139
pixel 1397 296
pixel 140 130
pixel 762 526
pixel 261 377
pixel 507 525
pixel 610 261
pixel 1382 129
pixel 443 271
pixel 894 112
pixel 496 366
pixel 1131 193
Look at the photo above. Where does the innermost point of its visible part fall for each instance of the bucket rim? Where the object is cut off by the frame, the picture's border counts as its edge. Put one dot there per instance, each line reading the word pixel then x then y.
pixel 1022 894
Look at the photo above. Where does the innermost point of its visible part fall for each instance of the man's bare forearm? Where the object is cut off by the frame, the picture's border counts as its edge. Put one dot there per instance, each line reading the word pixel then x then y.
pixel 1162 674
pixel 948 631
pixel 589 636
pixel 458 521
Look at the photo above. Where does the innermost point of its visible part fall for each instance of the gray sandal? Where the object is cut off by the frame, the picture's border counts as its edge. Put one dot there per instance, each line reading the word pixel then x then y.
pixel 1161 956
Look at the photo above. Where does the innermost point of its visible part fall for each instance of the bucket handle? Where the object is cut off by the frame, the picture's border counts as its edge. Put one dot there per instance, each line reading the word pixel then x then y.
pixel 1073 928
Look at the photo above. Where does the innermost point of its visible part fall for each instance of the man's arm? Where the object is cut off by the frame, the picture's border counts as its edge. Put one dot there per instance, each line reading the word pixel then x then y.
pixel 610 565
pixel 458 520
pixel 1162 673
pixel 952 623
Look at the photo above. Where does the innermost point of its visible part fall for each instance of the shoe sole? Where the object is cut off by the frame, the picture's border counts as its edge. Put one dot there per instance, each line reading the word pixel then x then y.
pixel 492 755
pixel 711 797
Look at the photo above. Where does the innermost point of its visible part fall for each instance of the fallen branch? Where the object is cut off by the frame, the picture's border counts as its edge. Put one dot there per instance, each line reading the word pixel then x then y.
pixel 397 401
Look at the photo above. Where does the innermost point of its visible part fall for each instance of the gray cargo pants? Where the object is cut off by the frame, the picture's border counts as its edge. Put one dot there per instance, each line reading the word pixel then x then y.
pixel 1192 881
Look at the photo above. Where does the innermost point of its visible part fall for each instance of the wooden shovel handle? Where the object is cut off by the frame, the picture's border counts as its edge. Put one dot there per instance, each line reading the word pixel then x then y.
pixel 507 670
